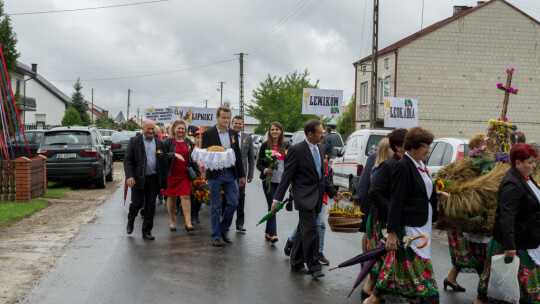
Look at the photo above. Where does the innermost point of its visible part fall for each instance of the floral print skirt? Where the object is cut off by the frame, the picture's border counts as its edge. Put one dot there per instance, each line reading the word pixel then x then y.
pixel 464 253
pixel 528 274
pixel 405 273
pixel 374 234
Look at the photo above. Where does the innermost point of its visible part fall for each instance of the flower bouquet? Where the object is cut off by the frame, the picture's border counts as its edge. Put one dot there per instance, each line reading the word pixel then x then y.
pixel 346 217
pixel 200 190
pixel 271 157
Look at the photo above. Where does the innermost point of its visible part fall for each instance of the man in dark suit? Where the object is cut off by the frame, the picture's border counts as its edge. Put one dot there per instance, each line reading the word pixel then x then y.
pixel 145 166
pixel 227 179
pixel 304 168
pixel 248 163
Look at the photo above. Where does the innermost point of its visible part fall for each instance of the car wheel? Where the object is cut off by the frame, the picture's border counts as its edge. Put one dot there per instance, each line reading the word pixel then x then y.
pixel 100 183
pixel 352 188
pixel 109 177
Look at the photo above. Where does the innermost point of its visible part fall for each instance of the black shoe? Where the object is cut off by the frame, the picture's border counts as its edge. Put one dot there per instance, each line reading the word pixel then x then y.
pixel 193 221
pixel 197 220
pixel 288 247
pixel 302 269
pixel 172 228
pixel 274 240
pixel 455 287
pixel 226 239
pixel 129 228
pixel 216 242
pixel 148 237
pixel 240 228
pixel 322 259
pixel 317 274
pixel 188 229
pixel 142 212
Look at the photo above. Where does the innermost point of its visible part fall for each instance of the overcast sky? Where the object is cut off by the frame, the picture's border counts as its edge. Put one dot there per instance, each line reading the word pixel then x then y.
pixel 191 45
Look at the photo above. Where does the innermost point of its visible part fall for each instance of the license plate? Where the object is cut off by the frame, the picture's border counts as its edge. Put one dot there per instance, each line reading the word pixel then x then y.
pixel 66 155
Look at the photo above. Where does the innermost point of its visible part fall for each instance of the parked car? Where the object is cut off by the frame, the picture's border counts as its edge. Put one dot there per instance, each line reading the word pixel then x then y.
pixel 119 142
pixel 77 153
pixel 445 151
pixel 347 166
pixel 298 137
pixel 106 133
pixel 257 141
pixel 17 146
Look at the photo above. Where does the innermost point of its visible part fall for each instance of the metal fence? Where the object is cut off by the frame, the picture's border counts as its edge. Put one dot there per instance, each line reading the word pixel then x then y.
pixel 35 126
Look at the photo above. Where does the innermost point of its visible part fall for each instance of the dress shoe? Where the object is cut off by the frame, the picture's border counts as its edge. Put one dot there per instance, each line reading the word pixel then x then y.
pixel 301 269
pixel 455 287
pixel 317 274
pixel 240 228
pixel 129 228
pixel 274 240
pixel 172 228
pixel 216 242
pixel 226 239
pixel 188 229
pixel 288 247
pixel 148 237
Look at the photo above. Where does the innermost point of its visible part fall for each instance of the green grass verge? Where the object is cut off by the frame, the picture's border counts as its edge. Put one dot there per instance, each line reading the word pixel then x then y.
pixel 10 212
pixel 56 190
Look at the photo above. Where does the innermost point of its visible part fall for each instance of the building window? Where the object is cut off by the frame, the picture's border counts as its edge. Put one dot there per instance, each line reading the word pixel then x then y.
pixel 18 86
pixel 383 89
pixel 364 93
pixel 40 119
pixel 386 64
pixel 362 127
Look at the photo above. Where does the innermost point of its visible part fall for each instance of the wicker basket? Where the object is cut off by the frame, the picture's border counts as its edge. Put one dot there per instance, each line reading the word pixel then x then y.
pixel 344 223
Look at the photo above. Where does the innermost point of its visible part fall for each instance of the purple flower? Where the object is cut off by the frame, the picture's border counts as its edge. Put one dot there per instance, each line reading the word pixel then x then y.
pixel 499 84
pixel 512 68
pixel 506 119
pixel 514 127
pixel 507 70
pixel 501 157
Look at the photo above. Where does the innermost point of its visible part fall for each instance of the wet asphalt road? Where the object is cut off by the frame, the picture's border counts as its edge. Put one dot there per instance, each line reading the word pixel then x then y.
pixel 105 265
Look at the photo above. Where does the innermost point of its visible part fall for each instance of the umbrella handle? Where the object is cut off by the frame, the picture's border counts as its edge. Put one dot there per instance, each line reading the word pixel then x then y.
pixel 418 237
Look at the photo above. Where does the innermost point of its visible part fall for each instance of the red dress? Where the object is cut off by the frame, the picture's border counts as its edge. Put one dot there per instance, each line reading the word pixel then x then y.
pixel 178 182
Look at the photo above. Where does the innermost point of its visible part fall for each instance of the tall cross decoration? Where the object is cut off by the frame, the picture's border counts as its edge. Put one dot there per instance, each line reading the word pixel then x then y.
pixel 507 91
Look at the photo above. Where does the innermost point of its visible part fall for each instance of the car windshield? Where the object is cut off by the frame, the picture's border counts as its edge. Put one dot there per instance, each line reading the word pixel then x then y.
pixel 106 132
pixel 67 138
pixel 122 137
pixel 373 143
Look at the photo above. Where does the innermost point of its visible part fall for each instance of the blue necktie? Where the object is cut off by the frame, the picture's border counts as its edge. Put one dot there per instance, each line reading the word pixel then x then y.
pixel 317 160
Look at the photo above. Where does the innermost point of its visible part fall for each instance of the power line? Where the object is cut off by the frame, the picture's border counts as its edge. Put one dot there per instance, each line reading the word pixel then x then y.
pixel 85 9
pixel 149 75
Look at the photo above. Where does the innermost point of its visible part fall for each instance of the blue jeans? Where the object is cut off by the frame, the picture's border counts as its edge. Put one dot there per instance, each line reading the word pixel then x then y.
pixel 271 226
pixel 321 228
pixel 228 183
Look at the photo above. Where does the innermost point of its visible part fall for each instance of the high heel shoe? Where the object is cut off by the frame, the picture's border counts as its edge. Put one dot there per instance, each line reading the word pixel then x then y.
pixel 172 228
pixel 189 229
pixel 455 287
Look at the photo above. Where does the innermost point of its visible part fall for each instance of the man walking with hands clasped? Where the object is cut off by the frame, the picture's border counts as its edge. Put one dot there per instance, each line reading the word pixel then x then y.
pixel 304 168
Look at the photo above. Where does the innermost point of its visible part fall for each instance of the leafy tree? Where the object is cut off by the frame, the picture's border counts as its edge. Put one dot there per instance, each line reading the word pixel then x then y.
pixel 105 122
pixel 345 122
pixel 280 99
pixel 71 118
pixel 77 100
pixel 227 103
pixel 8 39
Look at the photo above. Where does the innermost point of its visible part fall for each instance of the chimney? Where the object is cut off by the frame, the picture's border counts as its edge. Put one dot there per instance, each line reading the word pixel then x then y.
pixel 34 67
pixel 458 9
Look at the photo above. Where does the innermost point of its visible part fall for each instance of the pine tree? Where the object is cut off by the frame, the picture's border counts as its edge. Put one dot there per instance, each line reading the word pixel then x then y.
pixel 77 100
pixel 71 118
pixel 8 39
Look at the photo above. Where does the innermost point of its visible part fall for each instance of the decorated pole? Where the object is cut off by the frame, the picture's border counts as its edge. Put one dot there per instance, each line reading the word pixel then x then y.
pixel 508 89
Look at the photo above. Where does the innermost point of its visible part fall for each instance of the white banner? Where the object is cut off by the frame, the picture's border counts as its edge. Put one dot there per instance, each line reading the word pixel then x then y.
pixel 400 112
pixel 191 115
pixel 322 102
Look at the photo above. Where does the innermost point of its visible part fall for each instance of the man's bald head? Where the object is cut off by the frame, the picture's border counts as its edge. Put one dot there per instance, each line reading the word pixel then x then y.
pixel 148 128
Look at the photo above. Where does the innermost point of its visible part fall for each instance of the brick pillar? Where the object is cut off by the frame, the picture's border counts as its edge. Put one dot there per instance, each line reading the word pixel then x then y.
pixel 44 160
pixel 22 179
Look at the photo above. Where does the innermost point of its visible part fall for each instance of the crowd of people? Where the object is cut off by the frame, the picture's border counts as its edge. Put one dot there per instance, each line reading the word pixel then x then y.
pixel 395 191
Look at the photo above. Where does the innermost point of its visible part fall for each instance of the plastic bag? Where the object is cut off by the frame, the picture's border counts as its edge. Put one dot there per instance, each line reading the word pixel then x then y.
pixel 503 280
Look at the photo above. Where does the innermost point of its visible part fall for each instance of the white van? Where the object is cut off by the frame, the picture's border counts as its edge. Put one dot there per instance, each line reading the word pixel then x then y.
pixel 347 167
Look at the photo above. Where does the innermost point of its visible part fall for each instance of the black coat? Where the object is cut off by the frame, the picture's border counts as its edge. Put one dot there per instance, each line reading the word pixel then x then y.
pixel 262 163
pixel 517 221
pixel 380 189
pixel 135 161
pixel 409 201
pixel 301 171
pixel 171 148
pixel 211 138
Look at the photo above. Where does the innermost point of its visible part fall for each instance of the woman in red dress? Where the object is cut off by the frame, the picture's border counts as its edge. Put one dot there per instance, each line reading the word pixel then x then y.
pixel 179 149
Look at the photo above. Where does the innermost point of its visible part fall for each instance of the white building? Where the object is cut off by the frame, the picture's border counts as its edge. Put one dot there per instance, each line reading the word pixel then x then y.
pixel 452 68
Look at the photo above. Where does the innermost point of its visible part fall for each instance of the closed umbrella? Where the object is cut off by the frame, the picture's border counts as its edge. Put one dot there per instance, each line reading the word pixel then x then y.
pixel 270 214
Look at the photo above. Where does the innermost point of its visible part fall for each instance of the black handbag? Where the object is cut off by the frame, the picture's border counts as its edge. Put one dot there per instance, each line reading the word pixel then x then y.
pixel 192 169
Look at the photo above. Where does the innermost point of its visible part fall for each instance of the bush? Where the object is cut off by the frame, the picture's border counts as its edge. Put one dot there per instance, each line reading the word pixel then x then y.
pixel 72 118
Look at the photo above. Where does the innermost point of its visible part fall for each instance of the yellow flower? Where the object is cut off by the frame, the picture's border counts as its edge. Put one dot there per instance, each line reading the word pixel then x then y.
pixel 232 139
pixel 439 186
pixel 159 151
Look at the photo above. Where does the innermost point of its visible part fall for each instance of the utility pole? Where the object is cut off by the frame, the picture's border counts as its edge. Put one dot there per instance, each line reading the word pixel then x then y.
pixel 206 103
pixel 241 83
pixel 221 90
pixel 92 105
pixel 129 93
pixel 374 59
pixel 138 114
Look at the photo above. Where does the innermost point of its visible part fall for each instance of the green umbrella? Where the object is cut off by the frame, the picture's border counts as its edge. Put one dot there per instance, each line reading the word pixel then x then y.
pixel 270 214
